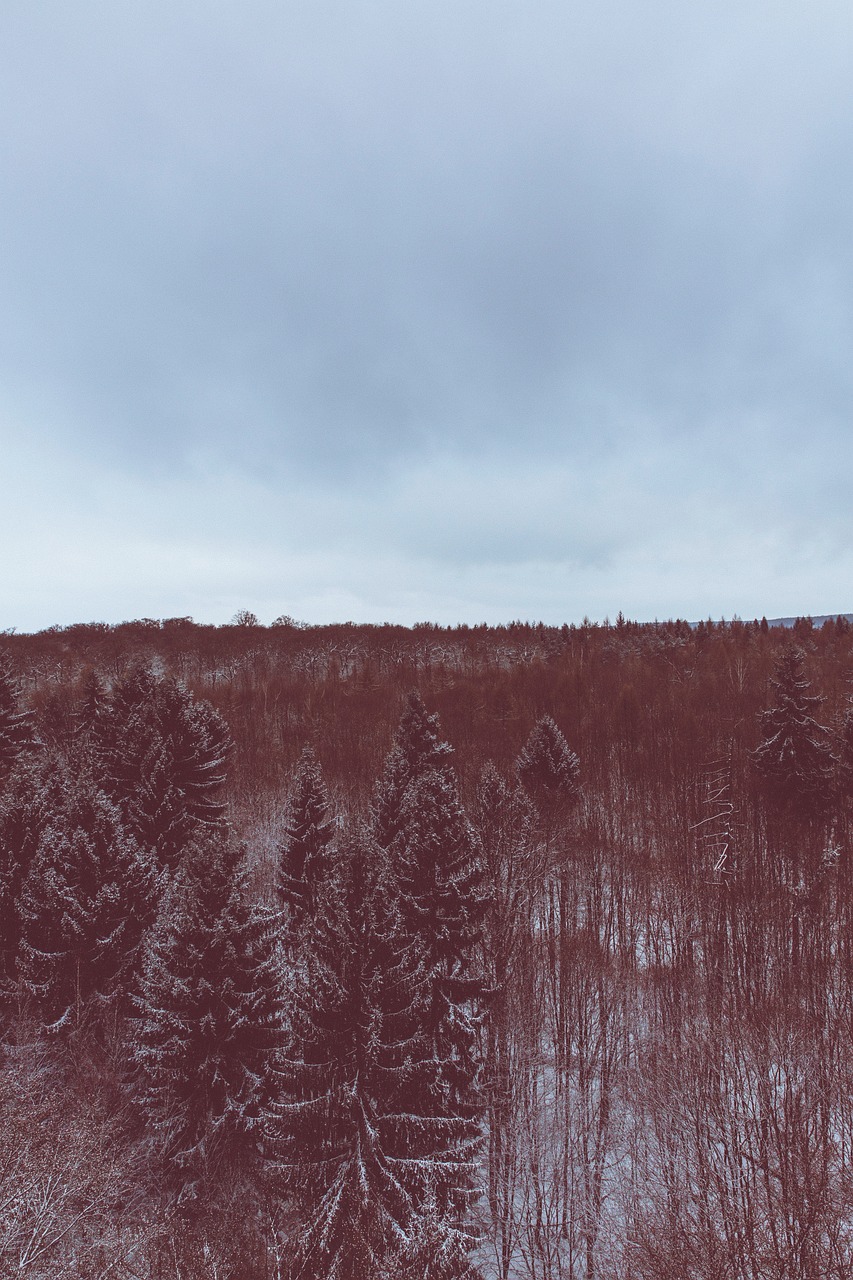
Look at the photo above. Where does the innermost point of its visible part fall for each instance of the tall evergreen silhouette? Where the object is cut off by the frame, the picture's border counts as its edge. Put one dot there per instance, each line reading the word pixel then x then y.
pixel 437 865
pixel 547 768
pixel 88 896
pixel 365 1146
pixel 305 854
pixel 16 725
pixel 161 756
pixel 36 794
pixel 209 1023
pixel 417 748
pixel 794 759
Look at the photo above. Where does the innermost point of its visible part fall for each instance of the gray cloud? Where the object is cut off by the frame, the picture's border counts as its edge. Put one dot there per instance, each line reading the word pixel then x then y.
pixel 464 290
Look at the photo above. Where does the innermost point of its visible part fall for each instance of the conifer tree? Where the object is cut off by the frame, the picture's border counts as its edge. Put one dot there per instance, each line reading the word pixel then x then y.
pixel 547 768
pixel 55 723
pixel 795 759
pixel 87 898
pixel 435 1251
pixel 417 748
pixel 126 746
pixel 366 1149
pixel 16 731
pixel 208 1026
pixel 92 705
pixel 439 875
pixel 514 860
pixel 200 744
pixel 162 757
pixel 37 793
pixel 305 855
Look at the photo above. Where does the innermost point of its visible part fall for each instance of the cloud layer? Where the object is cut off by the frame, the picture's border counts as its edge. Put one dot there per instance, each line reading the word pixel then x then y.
pixel 425 311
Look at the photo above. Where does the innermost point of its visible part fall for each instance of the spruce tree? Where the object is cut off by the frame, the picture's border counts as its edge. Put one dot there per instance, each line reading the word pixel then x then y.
pixel 417 748
pixel 36 794
pixel 208 1025
pixel 794 759
pixel 55 724
pixel 199 747
pixel 439 875
pixel 88 896
pixel 547 768
pixel 130 760
pixel 364 1144
pixel 515 864
pixel 16 729
pixel 92 704
pixel 162 757
pixel 305 854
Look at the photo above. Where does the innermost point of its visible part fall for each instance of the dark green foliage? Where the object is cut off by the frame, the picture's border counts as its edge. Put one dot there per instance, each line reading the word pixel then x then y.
pixel 417 748
pixel 161 756
pixel 547 768
pixel 199 747
pixel 16 730
pixel 513 858
pixel 305 854
pixel 35 795
pixel 440 881
pixel 208 1026
pixel 436 1251
pixel 364 1143
pixel 88 896
pixel 56 722
pixel 794 759
pixel 92 706
pixel 435 858
pixel 438 876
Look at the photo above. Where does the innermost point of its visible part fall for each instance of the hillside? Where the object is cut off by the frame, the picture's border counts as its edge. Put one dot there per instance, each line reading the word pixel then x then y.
pixel 608 865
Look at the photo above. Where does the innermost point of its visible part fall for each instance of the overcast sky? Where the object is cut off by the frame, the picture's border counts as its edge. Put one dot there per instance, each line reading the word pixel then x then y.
pixel 450 311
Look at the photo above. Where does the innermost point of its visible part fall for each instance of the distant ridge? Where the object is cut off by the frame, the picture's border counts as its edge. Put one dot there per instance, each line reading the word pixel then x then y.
pixel 817 619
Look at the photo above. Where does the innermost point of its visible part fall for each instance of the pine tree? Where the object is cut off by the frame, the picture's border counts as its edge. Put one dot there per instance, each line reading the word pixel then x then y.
pixel 126 745
pixel 83 907
pixel 209 1024
pixel 436 1250
pixel 363 1143
pixel 37 792
pixel 162 757
pixel 417 748
pixel 438 875
pixel 305 854
pixel 200 744
pixel 515 864
pixel 55 723
pixel 795 759
pixel 92 704
pixel 155 807
pixel 547 768
pixel 440 881
pixel 16 732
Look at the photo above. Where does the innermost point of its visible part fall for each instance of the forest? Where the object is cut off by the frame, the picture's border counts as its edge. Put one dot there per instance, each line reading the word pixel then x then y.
pixel 469 953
